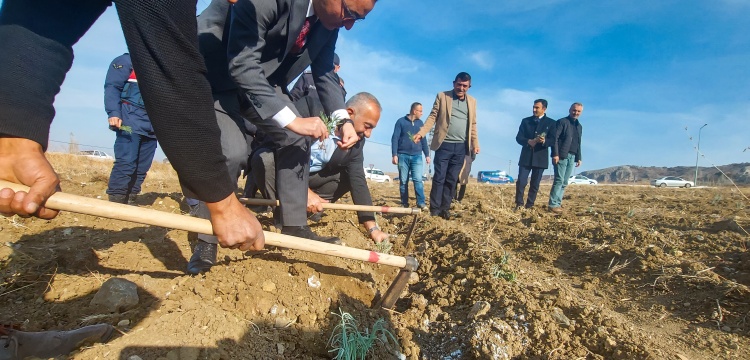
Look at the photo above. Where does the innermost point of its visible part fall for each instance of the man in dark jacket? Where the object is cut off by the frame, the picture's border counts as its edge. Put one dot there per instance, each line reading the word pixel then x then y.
pixel 408 155
pixel 532 136
pixel 566 153
pixel 135 144
pixel 334 172
pixel 305 85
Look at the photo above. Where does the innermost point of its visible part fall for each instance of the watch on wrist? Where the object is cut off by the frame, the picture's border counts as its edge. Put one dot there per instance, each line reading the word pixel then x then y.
pixel 370 230
pixel 344 121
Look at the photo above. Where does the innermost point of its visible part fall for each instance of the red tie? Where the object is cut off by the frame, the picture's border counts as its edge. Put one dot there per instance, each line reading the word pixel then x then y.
pixel 302 38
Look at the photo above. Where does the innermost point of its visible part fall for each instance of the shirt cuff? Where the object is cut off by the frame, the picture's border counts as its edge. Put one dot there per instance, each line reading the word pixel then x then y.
pixel 284 117
pixel 340 114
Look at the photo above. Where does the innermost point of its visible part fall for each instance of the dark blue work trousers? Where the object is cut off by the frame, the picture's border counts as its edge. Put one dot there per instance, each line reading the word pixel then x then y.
pixel 523 179
pixel 133 157
pixel 449 158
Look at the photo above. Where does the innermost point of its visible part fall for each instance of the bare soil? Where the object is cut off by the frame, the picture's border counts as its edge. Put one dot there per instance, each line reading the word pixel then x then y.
pixel 627 272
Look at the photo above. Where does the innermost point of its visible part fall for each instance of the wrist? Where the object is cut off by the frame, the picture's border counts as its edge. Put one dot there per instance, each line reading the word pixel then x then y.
pixel 373 229
pixel 343 122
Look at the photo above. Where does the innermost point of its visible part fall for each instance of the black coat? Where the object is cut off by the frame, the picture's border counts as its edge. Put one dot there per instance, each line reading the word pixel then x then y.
pixel 565 130
pixel 536 157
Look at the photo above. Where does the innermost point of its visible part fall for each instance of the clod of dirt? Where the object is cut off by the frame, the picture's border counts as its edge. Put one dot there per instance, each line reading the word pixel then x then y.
pixel 115 295
pixel 480 308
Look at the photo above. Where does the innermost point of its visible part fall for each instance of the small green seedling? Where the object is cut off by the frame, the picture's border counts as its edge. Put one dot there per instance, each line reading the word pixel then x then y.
pixel 384 246
pixel 500 269
pixel 126 129
pixel 330 121
pixel 348 343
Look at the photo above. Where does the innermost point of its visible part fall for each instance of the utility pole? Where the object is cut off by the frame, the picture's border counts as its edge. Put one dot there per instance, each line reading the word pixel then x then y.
pixel 697 154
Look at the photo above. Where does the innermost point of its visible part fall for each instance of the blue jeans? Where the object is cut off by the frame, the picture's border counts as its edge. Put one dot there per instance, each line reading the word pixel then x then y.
pixel 133 156
pixel 411 164
pixel 563 170
pixel 448 160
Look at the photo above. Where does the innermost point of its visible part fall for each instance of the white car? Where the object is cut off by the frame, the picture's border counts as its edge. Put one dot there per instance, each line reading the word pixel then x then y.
pixel 96 154
pixel 376 175
pixel 672 181
pixel 580 179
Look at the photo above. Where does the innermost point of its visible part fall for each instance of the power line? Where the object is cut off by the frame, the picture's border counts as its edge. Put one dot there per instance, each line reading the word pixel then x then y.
pixel 93 146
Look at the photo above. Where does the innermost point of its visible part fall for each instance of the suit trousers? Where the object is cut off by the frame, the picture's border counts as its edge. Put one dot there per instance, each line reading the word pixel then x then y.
pixel 449 158
pixel 233 144
pixel 328 185
pixel 523 179
pixel 292 164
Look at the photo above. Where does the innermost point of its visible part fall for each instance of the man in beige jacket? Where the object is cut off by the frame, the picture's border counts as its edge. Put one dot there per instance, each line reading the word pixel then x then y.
pixel 454 116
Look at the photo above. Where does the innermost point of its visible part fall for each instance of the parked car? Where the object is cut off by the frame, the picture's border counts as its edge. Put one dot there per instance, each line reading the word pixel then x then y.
pixel 96 154
pixel 672 181
pixel 494 177
pixel 580 179
pixel 376 175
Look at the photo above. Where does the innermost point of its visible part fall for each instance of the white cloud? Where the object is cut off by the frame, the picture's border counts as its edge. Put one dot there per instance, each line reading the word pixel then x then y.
pixel 483 59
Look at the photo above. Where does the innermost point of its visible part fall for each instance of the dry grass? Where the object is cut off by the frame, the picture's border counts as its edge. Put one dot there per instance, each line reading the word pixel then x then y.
pixel 83 169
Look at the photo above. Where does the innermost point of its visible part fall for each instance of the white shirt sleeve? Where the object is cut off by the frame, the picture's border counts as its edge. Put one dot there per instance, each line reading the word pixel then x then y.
pixel 284 117
pixel 340 114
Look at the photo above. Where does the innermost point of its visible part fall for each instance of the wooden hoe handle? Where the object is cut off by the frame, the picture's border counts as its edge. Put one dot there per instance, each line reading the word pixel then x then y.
pixel 110 210
pixel 334 206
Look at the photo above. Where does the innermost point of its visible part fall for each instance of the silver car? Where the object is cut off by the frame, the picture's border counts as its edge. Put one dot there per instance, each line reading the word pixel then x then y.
pixel 672 181
pixel 96 154
pixel 580 179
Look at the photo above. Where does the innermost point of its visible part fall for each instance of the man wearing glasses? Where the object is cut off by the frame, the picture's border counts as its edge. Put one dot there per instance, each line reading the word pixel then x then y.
pixel 454 116
pixel 267 44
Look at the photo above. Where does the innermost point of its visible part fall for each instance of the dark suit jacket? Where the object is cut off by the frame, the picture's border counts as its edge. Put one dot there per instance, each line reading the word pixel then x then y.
pixel 536 157
pixel 261 35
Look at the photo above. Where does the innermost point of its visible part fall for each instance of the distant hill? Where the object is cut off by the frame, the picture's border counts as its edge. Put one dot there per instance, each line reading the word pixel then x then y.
pixel 739 173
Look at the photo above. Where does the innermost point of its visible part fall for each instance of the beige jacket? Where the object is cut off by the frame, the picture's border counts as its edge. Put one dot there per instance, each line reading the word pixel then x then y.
pixel 440 116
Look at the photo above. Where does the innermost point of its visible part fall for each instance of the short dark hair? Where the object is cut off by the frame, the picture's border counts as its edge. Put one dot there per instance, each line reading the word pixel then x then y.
pixel 542 101
pixel 463 76
pixel 414 106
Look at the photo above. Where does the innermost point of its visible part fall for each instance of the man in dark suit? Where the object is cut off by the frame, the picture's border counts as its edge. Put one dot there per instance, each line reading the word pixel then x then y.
pixel 334 172
pixel 270 43
pixel 532 136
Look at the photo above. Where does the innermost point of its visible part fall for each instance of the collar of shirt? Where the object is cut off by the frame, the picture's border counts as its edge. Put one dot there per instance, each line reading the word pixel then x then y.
pixel 409 117
pixel 453 94
pixel 310 9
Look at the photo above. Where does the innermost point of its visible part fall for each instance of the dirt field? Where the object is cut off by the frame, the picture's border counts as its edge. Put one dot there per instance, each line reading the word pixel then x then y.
pixel 628 272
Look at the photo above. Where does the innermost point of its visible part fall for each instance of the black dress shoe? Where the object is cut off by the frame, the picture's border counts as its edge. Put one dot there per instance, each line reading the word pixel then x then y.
pixel 305 232
pixel 133 199
pixel 120 199
pixel 204 257
pixel 445 214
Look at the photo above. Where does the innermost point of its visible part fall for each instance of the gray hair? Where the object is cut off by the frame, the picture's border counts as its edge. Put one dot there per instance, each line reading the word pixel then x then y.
pixel 576 104
pixel 361 99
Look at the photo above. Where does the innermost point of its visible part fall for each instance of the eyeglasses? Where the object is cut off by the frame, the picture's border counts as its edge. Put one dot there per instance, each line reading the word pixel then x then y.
pixel 349 14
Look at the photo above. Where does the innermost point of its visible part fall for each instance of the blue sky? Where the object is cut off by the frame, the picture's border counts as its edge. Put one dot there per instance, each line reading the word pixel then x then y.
pixel 643 70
